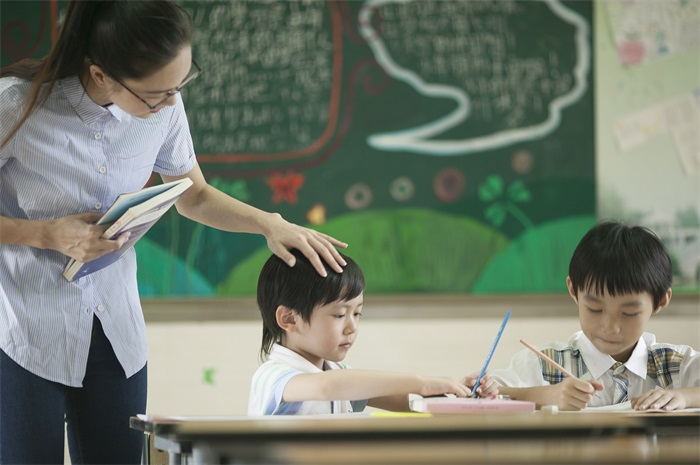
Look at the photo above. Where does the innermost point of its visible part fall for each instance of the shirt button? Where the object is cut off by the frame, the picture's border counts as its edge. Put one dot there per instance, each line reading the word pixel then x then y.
pixel 102 169
pixel 98 205
pixel 100 308
pixel 98 135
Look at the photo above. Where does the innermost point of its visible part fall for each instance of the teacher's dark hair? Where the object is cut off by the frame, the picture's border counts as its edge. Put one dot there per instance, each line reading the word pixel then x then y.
pixel 302 289
pixel 619 259
pixel 128 39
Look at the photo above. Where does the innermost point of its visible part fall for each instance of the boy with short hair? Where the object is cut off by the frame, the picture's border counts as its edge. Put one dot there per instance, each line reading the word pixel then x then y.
pixel 619 276
pixel 309 325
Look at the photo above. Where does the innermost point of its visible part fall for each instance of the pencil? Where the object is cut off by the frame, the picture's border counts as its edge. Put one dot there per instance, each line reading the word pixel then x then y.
pixel 547 359
pixel 488 357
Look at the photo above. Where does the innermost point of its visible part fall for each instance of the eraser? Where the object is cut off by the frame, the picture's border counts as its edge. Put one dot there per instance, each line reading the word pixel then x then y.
pixel 550 409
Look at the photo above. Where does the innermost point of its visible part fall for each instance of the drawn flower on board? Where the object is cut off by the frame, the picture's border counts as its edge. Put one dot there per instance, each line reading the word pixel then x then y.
pixel 285 186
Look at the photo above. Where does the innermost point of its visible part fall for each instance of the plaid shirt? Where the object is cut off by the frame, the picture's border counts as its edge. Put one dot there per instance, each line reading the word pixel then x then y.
pixel 652 365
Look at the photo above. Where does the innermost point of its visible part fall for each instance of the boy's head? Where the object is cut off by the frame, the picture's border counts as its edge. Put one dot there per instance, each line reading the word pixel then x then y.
pixel 300 289
pixel 619 276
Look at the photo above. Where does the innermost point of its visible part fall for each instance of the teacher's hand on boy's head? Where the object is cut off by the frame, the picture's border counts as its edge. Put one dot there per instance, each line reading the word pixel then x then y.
pixel 78 237
pixel 316 246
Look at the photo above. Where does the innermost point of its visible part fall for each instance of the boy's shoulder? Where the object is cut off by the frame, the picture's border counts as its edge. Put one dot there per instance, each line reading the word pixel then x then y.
pixel 272 372
pixel 654 346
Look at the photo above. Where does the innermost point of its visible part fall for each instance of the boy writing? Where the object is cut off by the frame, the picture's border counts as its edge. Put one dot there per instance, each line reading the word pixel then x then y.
pixel 309 325
pixel 619 277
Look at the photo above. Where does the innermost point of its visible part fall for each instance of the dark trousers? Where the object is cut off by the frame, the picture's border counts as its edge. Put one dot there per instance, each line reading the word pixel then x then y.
pixel 33 411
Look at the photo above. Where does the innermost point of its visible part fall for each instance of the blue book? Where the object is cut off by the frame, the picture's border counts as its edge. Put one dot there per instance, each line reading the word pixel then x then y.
pixel 136 213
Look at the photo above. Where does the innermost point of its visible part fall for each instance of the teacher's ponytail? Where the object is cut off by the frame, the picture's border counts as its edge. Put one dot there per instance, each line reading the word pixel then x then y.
pixel 128 39
pixel 65 58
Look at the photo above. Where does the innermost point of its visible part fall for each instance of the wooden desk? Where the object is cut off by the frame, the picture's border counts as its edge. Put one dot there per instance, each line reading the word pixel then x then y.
pixel 671 424
pixel 441 439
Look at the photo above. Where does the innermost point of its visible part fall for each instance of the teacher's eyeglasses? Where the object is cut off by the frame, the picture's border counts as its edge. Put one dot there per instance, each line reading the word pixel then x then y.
pixel 194 74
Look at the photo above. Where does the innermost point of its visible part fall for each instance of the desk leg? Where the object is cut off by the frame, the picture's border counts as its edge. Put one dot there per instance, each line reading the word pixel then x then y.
pixel 177 453
pixel 146 449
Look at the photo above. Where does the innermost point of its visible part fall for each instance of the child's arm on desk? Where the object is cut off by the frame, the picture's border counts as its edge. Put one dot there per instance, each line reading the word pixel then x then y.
pixel 570 394
pixel 399 403
pixel 387 388
pixel 668 399
pixel 488 387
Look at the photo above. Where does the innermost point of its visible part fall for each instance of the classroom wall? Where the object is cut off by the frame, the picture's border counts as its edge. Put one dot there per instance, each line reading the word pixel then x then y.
pixel 647 141
pixel 204 367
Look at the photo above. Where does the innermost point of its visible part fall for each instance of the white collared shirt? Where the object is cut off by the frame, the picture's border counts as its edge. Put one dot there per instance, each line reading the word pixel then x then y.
pixel 73 156
pixel 651 365
pixel 270 379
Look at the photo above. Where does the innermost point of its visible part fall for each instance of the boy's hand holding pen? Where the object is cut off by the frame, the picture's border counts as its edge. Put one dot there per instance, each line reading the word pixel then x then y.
pixel 572 393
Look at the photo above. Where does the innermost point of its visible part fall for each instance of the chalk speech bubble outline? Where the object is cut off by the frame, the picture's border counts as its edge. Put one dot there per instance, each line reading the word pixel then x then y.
pixel 416 139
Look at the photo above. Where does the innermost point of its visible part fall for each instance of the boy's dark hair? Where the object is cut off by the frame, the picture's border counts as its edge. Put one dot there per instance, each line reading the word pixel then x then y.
pixel 621 259
pixel 301 288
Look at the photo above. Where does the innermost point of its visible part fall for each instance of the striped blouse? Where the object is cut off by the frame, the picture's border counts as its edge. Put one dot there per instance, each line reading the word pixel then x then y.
pixel 652 365
pixel 73 156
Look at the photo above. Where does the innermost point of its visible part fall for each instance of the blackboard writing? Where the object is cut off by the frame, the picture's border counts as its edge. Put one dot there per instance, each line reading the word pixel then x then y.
pixel 450 143
pixel 269 76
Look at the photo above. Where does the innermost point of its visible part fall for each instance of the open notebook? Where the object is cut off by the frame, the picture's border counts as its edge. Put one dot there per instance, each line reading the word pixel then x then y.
pixel 627 407
pixel 418 403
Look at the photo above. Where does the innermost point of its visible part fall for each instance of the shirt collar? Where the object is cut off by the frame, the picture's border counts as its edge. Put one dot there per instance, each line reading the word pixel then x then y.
pixel 638 361
pixel 85 107
pixel 279 353
pixel 598 363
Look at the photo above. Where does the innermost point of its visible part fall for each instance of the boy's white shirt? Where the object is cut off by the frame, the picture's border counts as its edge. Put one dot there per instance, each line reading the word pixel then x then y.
pixel 272 377
pixel 525 368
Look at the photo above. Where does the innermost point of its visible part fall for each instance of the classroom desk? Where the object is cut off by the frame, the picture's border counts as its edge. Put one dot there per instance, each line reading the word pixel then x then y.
pixel 440 439
pixel 672 423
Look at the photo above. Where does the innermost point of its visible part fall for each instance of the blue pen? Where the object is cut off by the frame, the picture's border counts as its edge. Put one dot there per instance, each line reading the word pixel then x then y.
pixel 488 357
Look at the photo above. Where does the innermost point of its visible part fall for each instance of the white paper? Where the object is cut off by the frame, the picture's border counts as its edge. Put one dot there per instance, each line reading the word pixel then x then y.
pixel 648 30
pixel 678 117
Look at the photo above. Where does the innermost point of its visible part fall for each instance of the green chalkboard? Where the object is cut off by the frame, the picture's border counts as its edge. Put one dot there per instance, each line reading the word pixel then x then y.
pixel 451 143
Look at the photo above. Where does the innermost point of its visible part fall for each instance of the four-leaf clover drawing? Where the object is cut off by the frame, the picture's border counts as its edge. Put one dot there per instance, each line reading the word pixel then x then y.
pixel 503 200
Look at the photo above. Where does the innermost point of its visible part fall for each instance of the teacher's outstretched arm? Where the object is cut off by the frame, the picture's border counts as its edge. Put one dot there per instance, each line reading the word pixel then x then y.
pixel 207 205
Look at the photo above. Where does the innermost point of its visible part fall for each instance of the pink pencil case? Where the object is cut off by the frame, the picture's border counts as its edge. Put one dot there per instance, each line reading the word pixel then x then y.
pixel 418 403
